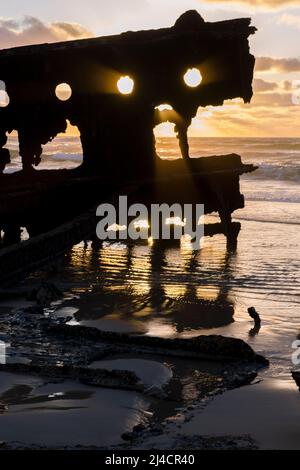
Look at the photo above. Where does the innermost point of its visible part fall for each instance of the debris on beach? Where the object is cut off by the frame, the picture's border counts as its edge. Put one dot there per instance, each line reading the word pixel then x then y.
pixel 253 314
pixel 257 322
pixel 296 377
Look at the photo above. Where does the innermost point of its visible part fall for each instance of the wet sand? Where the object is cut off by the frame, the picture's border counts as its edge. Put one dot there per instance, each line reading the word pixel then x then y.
pixel 268 411
pixel 50 411
pixel 66 413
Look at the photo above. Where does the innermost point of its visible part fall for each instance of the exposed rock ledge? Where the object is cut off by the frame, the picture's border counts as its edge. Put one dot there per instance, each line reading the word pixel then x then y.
pixel 213 347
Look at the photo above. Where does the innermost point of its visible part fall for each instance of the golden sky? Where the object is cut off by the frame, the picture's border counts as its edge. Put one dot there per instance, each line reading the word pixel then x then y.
pixel 273 111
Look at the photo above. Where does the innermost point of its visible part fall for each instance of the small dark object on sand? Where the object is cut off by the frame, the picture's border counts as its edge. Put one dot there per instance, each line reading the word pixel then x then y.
pixel 296 377
pixel 253 314
pixel 257 322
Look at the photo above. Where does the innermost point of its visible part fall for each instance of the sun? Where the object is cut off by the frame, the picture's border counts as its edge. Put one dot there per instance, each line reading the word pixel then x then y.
pixel 125 85
pixel 192 77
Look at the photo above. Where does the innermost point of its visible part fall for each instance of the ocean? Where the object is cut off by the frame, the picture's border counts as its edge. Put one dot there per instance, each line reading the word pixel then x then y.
pixel 172 292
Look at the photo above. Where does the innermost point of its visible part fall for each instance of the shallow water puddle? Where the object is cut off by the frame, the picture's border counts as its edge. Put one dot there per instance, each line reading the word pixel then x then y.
pixel 91 416
pixel 151 373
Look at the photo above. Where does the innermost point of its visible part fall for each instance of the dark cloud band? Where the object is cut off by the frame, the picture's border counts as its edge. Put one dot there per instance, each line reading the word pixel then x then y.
pixel 265 64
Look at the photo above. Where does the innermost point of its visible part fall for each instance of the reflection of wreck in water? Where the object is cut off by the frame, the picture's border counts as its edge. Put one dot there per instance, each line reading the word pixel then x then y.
pixel 141 289
pixel 116 124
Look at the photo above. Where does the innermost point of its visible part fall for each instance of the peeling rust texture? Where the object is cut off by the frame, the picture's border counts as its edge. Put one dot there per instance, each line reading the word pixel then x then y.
pixel 117 130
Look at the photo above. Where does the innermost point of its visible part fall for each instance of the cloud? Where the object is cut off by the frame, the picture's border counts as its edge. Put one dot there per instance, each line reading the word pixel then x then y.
pixel 260 86
pixel 257 120
pixel 31 30
pixel 290 20
pixel 264 64
pixel 269 113
pixel 71 30
pixel 261 3
pixel 272 100
pixel 287 85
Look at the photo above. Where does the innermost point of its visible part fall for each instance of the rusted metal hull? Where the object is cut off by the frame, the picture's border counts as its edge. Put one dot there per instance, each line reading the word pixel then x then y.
pixel 52 207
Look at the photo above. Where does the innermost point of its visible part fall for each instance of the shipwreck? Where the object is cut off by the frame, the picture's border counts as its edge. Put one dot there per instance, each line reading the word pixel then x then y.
pixel 114 89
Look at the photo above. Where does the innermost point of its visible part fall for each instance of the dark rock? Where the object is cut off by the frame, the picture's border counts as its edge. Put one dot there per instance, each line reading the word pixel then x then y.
pixel 127 436
pixel 213 347
pixel 45 294
pixel 33 310
pixel 96 377
pixel 139 428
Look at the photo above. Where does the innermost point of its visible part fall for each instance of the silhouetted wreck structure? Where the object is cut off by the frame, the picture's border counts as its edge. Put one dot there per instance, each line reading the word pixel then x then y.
pixel 116 130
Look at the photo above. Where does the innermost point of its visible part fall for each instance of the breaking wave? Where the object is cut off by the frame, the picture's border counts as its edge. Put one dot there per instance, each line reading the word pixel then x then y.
pixel 268 171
